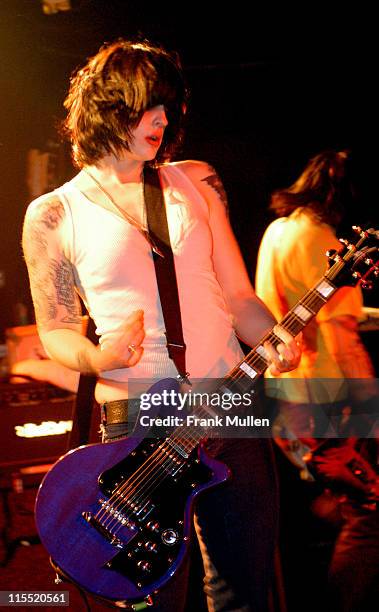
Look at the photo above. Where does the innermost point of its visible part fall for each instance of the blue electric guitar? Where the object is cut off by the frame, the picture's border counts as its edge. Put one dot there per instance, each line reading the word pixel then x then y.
pixel 116 518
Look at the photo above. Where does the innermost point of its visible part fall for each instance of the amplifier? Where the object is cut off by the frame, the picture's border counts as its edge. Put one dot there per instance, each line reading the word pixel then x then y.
pixel 23 343
pixel 16 394
pixel 36 420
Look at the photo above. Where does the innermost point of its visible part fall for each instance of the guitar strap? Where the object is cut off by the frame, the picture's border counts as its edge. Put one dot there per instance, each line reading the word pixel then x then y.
pixel 165 270
pixel 83 406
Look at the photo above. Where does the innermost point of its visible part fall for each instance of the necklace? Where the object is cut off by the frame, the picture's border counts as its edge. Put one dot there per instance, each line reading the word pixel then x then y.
pixel 142 228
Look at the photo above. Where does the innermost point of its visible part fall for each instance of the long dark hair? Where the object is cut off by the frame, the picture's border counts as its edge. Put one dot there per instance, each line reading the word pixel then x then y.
pixel 109 95
pixel 322 187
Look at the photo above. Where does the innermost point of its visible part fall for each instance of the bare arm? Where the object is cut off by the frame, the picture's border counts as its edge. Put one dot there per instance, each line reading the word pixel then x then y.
pixel 56 303
pixel 251 318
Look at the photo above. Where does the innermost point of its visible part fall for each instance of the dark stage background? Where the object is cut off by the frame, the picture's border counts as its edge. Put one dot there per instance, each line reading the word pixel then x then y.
pixel 270 87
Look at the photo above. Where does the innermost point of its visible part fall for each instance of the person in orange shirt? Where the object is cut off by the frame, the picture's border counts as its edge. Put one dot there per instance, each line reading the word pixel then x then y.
pixel 335 374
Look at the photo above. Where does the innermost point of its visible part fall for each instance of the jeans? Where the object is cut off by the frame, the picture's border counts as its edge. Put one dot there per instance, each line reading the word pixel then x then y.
pixel 236 526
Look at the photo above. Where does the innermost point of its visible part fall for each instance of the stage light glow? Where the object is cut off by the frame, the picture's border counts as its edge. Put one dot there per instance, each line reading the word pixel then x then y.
pixel 49 7
pixel 46 428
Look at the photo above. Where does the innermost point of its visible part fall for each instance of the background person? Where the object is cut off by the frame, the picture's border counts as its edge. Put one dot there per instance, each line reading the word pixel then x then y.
pixel 335 374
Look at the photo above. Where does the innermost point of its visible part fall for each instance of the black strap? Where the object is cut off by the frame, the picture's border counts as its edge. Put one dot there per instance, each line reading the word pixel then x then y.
pixel 165 269
pixel 83 407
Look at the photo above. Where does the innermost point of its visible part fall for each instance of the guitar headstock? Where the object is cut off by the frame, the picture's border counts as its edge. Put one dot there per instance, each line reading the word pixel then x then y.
pixel 356 262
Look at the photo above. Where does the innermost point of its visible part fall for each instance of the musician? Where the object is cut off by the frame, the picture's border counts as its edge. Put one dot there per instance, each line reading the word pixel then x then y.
pixel 335 375
pixel 89 238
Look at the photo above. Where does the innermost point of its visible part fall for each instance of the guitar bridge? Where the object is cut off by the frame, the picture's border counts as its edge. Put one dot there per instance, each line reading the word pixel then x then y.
pixel 104 531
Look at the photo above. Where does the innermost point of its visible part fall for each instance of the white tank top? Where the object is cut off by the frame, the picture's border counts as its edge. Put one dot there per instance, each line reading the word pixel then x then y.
pixel 115 275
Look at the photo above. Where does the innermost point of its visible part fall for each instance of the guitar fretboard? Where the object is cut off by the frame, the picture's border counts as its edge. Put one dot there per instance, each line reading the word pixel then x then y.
pixel 247 372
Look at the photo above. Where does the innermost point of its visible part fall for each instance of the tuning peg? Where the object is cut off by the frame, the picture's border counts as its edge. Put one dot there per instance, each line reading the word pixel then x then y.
pixel 368 261
pixel 367 284
pixel 357 229
pixel 346 243
pixel 357 275
pixel 332 254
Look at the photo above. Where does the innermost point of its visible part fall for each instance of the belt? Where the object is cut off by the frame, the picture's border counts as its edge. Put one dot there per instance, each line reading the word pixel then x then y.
pixel 115 412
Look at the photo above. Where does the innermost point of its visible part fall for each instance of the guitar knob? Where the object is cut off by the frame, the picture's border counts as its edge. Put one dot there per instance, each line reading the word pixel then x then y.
pixel 145 566
pixel 169 537
pixel 153 526
pixel 150 546
pixel 330 252
pixel 367 284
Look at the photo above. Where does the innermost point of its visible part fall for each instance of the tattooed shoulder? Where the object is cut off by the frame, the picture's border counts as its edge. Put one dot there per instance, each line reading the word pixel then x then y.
pixel 213 180
pixel 43 215
pixel 47 212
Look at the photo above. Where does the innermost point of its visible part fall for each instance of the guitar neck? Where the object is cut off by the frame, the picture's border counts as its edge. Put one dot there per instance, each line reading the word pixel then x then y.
pixel 246 373
pixel 256 362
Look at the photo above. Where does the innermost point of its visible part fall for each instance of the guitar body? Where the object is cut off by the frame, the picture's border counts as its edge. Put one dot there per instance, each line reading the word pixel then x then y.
pixel 116 542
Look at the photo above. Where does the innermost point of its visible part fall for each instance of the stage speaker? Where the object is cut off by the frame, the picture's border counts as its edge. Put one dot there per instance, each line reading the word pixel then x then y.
pixel 23 343
pixel 36 420
pixel 35 427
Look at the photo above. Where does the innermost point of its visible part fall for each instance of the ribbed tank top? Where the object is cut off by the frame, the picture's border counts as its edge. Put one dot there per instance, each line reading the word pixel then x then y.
pixel 115 275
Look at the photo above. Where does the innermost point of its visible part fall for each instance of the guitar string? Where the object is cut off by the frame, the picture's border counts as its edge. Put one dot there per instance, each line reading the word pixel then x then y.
pixel 154 484
pixel 317 303
pixel 163 460
pixel 152 472
pixel 289 322
pixel 166 461
pixel 311 299
pixel 140 471
pixel 286 323
pixel 158 479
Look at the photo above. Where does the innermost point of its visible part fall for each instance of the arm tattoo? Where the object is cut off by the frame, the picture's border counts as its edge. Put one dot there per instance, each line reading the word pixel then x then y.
pixel 214 181
pixel 44 304
pixel 52 283
pixel 61 274
pixel 52 213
